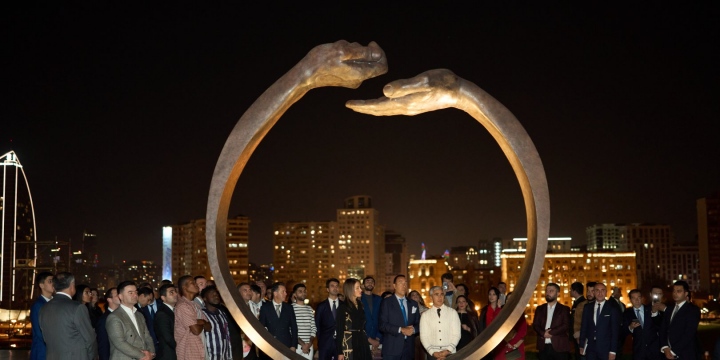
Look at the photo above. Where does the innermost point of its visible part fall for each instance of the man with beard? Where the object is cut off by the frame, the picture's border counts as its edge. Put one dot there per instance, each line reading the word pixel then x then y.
pixel 576 291
pixel 217 340
pixel 577 317
pixel 325 321
pixel 679 326
pixel 305 322
pixel 371 303
pixel 552 322
pixel 126 328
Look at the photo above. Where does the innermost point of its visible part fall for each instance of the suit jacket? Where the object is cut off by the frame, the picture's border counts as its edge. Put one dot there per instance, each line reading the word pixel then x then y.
pixel 600 338
pixel 646 344
pixel 125 341
pixel 559 327
pixel 37 349
pixel 372 316
pixel 391 320
pixel 164 325
pixel 67 331
pixel 283 328
pixel 102 336
pixel 149 322
pixel 325 324
pixel 680 332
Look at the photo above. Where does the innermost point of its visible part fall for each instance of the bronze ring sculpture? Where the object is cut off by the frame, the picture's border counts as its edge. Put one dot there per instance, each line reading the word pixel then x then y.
pixel 347 65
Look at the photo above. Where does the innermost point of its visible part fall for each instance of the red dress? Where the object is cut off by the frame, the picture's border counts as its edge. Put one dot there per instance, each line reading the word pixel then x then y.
pixel 521 330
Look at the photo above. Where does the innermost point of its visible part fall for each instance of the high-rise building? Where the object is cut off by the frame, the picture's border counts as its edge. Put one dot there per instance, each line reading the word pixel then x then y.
pixel 651 243
pixel 489 252
pixel 185 249
pixel 612 269
pixel 361 240
pixel 708 213
pixel 304 252
pixel 396 259
pixel 262 273
pixel 351 247
pixel 684 264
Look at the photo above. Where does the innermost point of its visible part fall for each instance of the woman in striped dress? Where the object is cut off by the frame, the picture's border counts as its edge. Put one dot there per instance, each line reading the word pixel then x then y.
pixel 217 340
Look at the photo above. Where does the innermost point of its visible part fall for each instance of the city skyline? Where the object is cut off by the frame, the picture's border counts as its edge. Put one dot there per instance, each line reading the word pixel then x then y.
pixel 119 129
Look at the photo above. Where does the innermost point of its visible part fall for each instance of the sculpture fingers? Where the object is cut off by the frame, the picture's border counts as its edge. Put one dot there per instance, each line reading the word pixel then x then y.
pixel 404 87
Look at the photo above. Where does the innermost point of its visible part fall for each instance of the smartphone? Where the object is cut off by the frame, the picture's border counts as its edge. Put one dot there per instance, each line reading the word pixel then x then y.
pixel 635 321
pixel 445 286
pixel 655 299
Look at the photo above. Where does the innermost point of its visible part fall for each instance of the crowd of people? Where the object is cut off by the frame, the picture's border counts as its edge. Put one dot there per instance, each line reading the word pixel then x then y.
pixel 188 320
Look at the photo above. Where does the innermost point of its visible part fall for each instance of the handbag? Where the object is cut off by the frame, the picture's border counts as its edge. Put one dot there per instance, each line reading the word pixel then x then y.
pixel 513 354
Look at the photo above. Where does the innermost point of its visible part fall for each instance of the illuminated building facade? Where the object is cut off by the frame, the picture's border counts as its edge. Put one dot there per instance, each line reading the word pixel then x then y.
pixel 361 241
pixel 652 244
pixel 612 269
pixel 684 264
pixel 185 248
pixel 424 274
pixel 464 256
pixel 708 213
pixel 489 252
pixel 304 252
pixel 519 244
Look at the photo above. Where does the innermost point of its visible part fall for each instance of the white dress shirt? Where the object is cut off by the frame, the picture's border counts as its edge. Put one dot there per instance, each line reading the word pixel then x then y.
pixel 595 312
pixel 131 314
pixel 170 306
pixel 62 293
pixel 440 333
pixel 46 299
pixel 550 312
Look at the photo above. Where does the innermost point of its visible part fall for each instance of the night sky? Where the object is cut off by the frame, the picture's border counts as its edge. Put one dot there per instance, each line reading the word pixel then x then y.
pixel 119 114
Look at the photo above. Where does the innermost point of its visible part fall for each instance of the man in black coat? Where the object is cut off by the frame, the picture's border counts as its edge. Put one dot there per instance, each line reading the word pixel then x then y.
pixel 113 302
pixel 679 327
pixel 645 329
pixel 279 318
pixel 164 323
pixel 325 321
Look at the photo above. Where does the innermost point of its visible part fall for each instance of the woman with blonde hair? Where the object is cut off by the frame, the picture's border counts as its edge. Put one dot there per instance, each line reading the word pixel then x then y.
pixel 352 341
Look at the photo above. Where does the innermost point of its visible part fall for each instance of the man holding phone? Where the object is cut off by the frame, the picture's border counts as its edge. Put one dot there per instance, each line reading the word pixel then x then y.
pixel 451 293
pixel 644 329
pixel 657 304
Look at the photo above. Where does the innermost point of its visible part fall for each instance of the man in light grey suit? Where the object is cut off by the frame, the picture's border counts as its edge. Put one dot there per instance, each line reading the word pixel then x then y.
pixel 65 324
pixel 126 328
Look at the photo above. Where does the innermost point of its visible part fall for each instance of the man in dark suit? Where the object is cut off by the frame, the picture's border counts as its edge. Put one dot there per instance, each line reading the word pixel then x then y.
pixel 65 324
pixel 113 302
pixel 371 304
pixel 279 318
pixel 600 327
pixel 679 326
pixel 644 328
pixel 577 290
pixel 399 323
pixel 148 306
pixel 552 322
pixel 325 321
pixel 38 349
pixel 164 323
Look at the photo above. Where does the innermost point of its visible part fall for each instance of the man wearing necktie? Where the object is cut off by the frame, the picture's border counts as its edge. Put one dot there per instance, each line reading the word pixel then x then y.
pixel 325 321
pixel 600 327
pixel 148 307
pixel 678 330
pixel 644 328
pixel 399 322
pixel 278 317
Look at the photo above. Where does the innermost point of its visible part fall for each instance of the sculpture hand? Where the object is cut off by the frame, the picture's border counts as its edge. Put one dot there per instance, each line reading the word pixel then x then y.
pixel 344 64
pixel 429 91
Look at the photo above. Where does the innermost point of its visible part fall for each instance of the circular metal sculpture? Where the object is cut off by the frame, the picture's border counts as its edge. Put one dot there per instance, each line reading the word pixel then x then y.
pixel 348 65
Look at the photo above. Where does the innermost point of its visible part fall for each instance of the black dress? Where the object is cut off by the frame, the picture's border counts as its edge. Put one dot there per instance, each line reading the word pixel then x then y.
pixel 466 336
pixel 351 340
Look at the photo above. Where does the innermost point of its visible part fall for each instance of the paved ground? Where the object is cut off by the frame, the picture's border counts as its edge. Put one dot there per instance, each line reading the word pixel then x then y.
pixel 14 354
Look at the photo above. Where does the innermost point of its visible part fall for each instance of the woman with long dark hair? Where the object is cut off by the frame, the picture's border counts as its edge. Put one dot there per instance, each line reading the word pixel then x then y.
pixel 83 295
pixel 489 313
pixel 468 322
pixel 415 295
pixel 352 341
